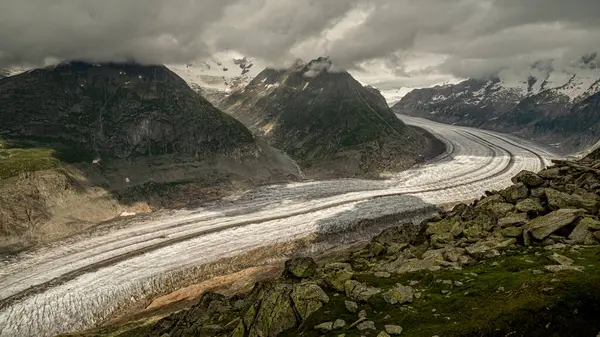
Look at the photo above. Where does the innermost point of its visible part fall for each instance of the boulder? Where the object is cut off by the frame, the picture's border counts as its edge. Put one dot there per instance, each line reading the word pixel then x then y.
pixel 393 329
pixel 492 199
pixel 583 229
pixel 366 325
pixel 308 298
pixel 549 173
pixel 561 259
pixel 360 291
pixel 558 268
pixel 453 254
pixel 324 327
pixel 404 233
pixel 512 232
pixel 399 295
pixel 488 249
pixel 532 206
pixel 515 193
pixel 302 267
pixel 557 200
pixel 336 275
pixel 273 313
pixel 351 306
pixel 414 265
pixel 338 324
pixel 597 235
pixel 500 210
pixel 441 240
pixel 383 334
pixel 528 178
pixel 513 219
pixel 446 226
pixel 541 227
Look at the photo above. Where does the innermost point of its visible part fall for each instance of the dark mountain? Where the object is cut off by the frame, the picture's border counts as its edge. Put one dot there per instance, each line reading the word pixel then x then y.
pixel 116 111
pixel 326 120
pixel 558 108
pixel 81 143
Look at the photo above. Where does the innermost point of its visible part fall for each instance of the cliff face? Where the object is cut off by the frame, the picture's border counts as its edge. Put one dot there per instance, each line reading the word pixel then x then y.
pixel 317 115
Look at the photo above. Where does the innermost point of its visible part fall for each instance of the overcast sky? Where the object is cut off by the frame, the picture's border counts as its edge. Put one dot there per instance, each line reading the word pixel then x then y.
pixel 411 42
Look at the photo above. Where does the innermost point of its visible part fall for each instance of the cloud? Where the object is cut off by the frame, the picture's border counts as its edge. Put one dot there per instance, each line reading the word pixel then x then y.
pixel 413 41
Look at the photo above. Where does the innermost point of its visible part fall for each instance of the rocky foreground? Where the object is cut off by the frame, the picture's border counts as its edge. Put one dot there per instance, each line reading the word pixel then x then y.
pixel 524 261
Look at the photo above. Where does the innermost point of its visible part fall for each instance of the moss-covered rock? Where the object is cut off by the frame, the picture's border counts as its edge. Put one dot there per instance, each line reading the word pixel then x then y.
pixel 528 178
pixel 336 275
pixel 308 298
pixel 301 267
pixel 515 193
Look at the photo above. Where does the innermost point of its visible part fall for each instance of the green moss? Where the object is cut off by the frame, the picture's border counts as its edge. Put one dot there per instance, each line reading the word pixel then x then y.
pixel 504 296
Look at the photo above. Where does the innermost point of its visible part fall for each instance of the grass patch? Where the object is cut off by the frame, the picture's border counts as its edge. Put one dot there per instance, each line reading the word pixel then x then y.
pixel 498 297
pixel 14 161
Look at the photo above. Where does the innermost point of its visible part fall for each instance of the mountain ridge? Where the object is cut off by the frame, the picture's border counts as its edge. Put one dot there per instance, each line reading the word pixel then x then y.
pixel 558 108
pixel 317 113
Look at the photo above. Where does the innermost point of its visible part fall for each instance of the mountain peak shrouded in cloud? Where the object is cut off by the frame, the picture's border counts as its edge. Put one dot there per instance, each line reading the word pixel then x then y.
pixel 466 38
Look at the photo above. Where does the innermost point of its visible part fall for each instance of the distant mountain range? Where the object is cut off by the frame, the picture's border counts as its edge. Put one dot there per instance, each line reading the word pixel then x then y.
pixel 559 108
pixel 326 120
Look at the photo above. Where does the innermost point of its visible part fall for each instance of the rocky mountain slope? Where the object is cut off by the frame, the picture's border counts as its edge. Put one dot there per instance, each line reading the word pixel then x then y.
pixel 559 108
pixel 326 120
pixel 113 136
pixel 522 261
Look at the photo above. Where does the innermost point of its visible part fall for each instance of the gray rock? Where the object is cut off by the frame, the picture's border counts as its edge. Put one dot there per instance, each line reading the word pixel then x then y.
pixel 351 306
pixel 500 210
pixel 561 259
pixel 583 228
pixel 382 274
pixel 453 254
pixel 550 173
pixel 530 206
pixel 515 193
pixel 414 265
pixel 325 327
pixel 301 267
pixel 513 219
pixel 496 198
pixel 308 298
pixel 366 325
pixel 393 329
pixel 512 232
pixel 444 226
pixel 360 291
pixel 541 227
pixel 274 313
pixel 489 249
pixel 399 295
pixel 558 200
pixel 559 268
pixel 338 324
pixel 528 178
pixel 336 275
pixel 383 334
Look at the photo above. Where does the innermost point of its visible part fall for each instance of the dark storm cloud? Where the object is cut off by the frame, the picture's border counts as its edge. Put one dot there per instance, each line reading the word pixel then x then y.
pixel 471 37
